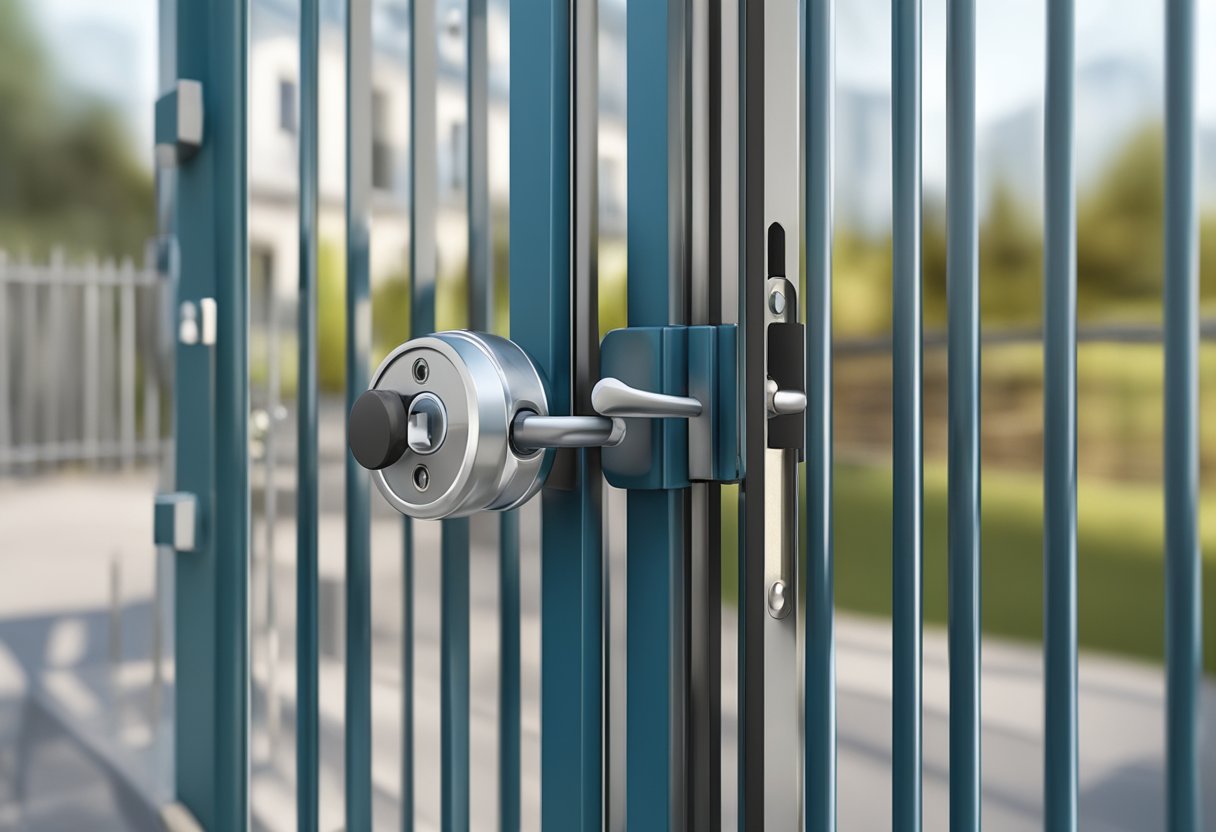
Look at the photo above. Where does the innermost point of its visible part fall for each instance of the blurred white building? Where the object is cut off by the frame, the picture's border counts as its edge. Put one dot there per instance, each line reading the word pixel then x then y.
pixel 274 127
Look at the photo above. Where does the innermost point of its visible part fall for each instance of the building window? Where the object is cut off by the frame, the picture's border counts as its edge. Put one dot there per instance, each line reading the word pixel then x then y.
pixel 382 149
pixel 287 106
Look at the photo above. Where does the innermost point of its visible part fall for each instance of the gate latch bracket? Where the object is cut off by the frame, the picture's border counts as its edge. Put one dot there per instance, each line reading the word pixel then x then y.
pixel 176 522
pixel 693 362
pixel 179 123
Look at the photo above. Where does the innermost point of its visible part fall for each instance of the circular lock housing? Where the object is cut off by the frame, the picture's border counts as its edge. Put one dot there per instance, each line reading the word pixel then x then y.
pixel 436 426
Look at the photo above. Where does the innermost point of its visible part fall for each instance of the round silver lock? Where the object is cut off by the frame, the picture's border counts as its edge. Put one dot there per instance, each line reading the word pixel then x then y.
pixel 435 426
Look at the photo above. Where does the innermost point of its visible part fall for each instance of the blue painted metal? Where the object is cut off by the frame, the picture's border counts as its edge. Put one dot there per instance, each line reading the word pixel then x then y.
pixel 656 534
pixel 454 675
pixel 820 580
pixel 1184 582
pixel 358 733
pixel 307 474
pixel 508 659
pixel 482 293
pixel 907 526
pixel 407 677
pixel 167 510
pixel 1060 430
pixel 571 568
pixel 964 418
pixel 673 360
pixel 211 415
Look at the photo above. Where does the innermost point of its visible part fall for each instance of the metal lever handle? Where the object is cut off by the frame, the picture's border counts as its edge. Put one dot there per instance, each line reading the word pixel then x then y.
pixel 784 402
pixel 613 397
pixel 531 431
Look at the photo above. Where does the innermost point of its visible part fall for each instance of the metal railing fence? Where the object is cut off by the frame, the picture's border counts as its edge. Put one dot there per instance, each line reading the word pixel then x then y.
pixel 552 62
pixel 80 376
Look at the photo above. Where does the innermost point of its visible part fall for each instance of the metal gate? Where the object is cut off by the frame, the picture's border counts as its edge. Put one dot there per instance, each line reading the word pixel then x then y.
pixel 723 375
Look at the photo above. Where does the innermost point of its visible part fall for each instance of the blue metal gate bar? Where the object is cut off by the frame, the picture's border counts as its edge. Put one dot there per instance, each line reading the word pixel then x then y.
pixel 541 302
pixel 656 542
pixel 423 267
pixel 454 674
pixel 212 584
pixel 1060 430
pixel 964 419
pixel 1184 611
pixel 454 535
pixel 477 192
pixel 480 245
pixel 358 343
pixel 907 535
pixel 508 663
pixel 307 475
pixel 819 40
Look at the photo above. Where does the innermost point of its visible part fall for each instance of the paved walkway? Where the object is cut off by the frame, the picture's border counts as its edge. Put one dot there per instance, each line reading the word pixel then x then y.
pixel 59 539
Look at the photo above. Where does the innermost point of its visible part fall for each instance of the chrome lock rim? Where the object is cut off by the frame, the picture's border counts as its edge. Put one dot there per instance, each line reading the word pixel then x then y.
pixel 458 457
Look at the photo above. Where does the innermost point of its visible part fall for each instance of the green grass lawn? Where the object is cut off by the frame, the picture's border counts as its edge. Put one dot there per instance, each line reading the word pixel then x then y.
pixel 1121 592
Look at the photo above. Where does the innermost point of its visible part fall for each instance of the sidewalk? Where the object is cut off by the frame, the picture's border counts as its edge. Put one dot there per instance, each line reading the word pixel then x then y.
pixel 57 540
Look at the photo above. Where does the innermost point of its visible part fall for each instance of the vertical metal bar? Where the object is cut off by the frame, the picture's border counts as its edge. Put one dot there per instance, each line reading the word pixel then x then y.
pixel 407 678
pixel 307 449
pixel 585 369
pixel 751 720
pixel 150 358
pixel 658 529
pixel 107 367
pixel 481 317
pixel 32 371
pixel 126 329
pixel 212 414
pixel 1060 429
pixel 820 43
pixel 509 678
pixel 56 359
pixel 455 535
pixel 704 736
pixel 454 674
pixel 91 360
pixel 1184 609
pixel 6 425
pixel 543 214
pixel 477 191
pixel 358 343
pixel 771 711
pixel 908 444
pixel 423 276
pixel 963 292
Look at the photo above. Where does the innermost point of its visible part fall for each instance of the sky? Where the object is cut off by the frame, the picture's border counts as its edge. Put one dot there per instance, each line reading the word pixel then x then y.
pixel 108 47
pixel 1011 47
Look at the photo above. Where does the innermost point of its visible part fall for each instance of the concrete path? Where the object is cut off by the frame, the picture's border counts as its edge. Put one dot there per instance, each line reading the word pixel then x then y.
pixel 60 538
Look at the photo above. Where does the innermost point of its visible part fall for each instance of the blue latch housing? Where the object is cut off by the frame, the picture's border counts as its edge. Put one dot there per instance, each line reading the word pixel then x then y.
pixel 696 361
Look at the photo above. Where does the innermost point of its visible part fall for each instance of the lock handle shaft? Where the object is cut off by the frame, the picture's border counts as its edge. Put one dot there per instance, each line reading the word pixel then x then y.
pixel 531 431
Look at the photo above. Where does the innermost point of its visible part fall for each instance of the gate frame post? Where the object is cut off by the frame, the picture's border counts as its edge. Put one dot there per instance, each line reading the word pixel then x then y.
pixel 211 411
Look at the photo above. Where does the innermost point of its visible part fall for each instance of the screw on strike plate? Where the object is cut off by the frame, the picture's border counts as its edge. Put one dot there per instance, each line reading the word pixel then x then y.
pixel 776 598
pixel 776 302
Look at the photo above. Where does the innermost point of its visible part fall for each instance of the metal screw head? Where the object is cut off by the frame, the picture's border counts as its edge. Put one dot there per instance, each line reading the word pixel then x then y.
pixel 776 302
pixel 776 597
pixel 422 478
pixel 421 370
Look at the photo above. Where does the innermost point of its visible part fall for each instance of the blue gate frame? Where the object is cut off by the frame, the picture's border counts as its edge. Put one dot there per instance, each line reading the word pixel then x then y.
pixel 671 769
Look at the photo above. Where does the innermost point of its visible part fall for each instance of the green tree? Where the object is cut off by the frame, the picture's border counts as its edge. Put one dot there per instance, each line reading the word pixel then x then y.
pixel 67 171
pixel 1120 239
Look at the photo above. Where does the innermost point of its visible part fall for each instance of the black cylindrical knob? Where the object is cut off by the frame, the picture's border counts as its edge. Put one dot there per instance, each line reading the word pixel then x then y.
pixel 377 432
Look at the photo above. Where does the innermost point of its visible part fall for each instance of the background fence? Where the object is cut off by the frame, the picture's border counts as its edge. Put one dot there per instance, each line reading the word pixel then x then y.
pixel 81 369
